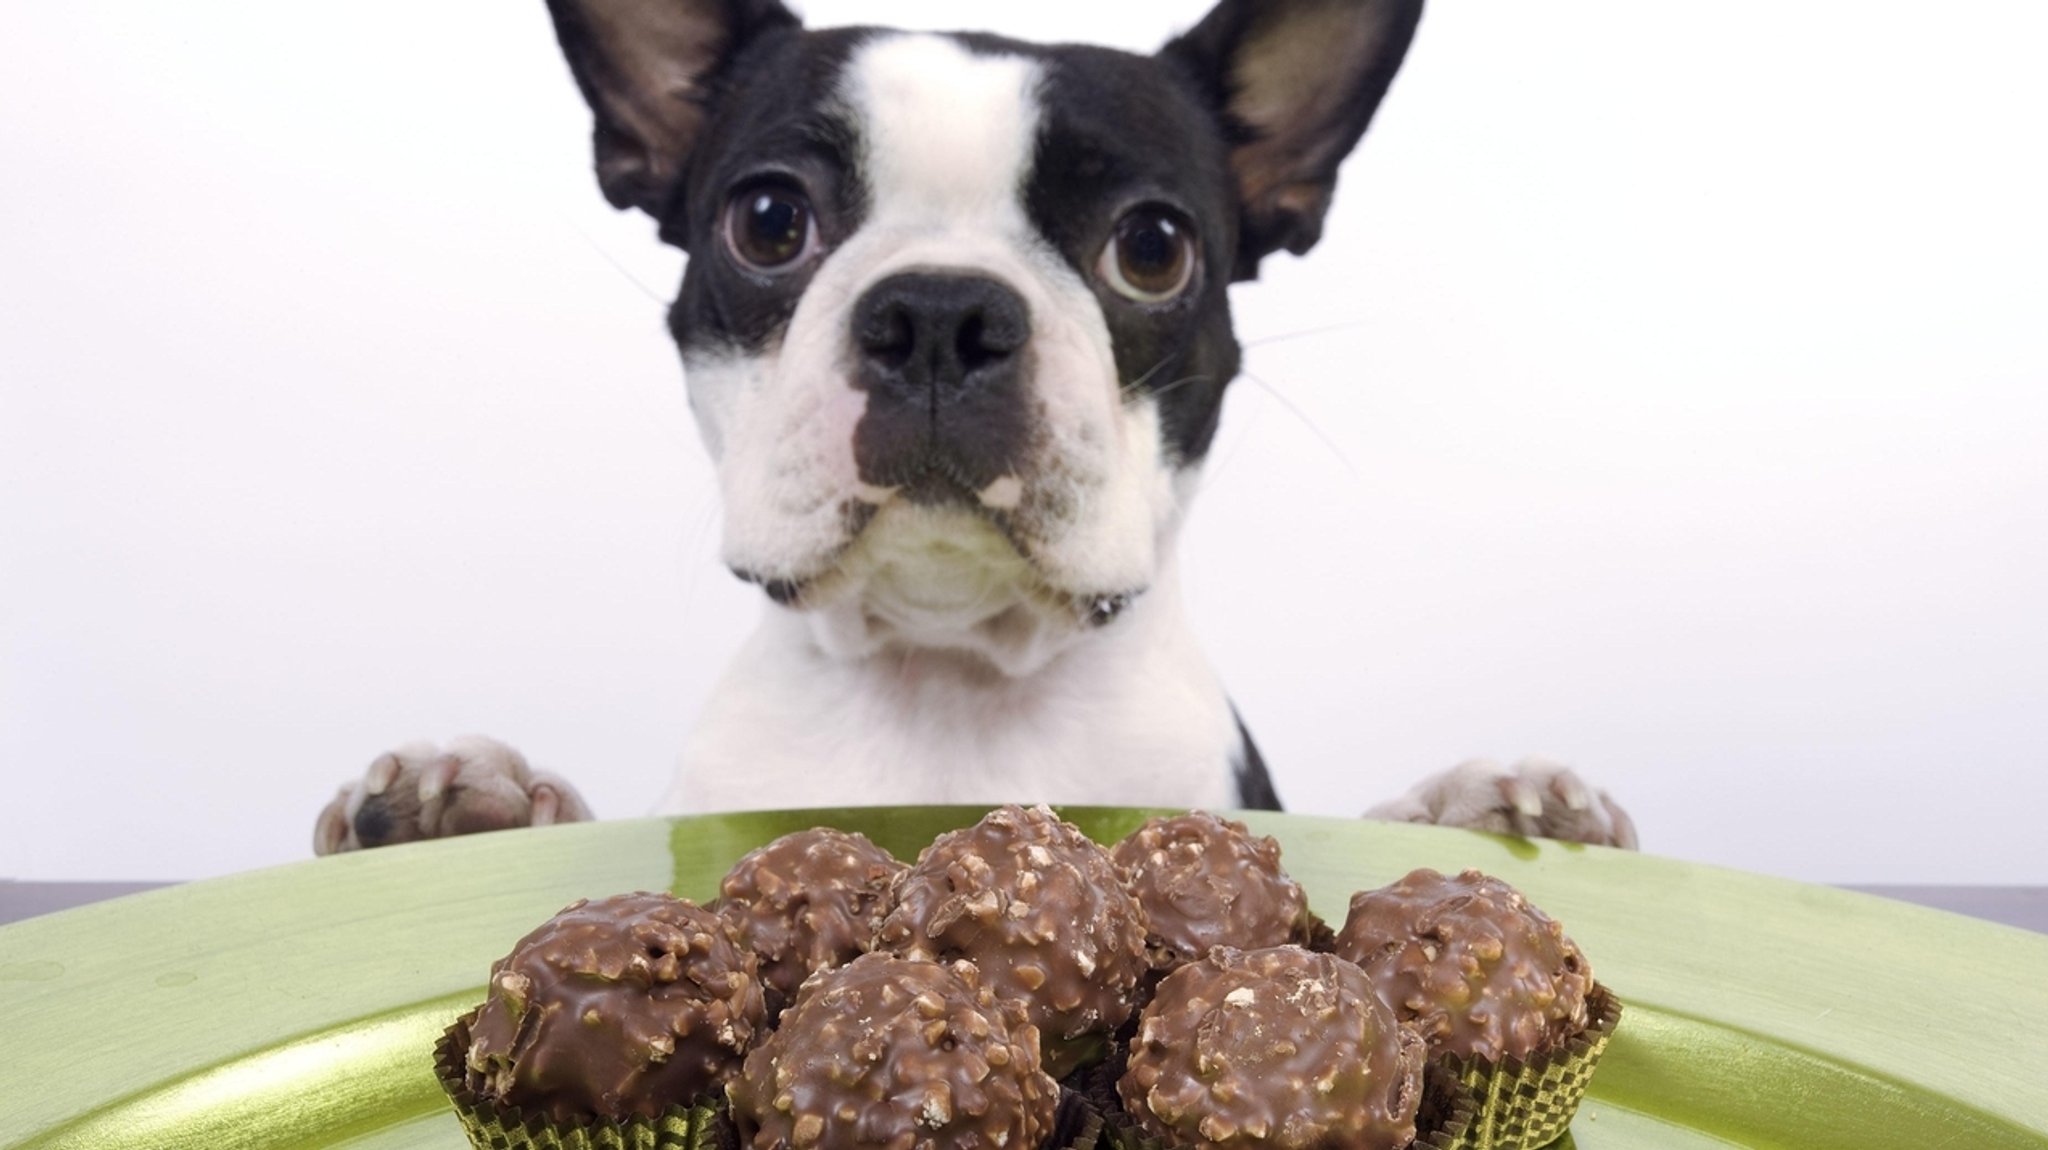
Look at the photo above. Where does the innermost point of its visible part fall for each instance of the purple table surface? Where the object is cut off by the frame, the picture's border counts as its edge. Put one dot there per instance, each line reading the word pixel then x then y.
pixel 2025 907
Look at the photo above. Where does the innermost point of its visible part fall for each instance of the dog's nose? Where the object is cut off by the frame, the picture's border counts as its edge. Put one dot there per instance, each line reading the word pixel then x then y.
pixel 942 358
pixel 928 332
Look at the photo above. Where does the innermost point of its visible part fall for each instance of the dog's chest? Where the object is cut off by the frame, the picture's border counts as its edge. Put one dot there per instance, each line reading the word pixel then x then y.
pixel 1130 724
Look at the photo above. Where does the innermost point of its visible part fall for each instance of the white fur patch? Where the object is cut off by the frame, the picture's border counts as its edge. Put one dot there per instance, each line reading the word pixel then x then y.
pixel 784 446
pixel 947 134
pixel 1130 716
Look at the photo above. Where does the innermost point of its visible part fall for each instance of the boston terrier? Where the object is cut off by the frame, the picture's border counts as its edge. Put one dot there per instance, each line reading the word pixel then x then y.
pixel 956 329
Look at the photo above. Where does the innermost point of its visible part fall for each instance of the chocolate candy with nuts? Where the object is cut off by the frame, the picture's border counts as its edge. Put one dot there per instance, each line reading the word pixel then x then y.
pixel 1484 974
pixel 615 1009
pixel 1041 910
pixel 1280 1048
pixel 808 901
pixel 890 1053
pixel 1205 881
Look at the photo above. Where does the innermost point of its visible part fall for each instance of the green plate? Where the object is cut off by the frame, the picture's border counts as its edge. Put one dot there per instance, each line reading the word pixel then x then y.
pixel 296 1007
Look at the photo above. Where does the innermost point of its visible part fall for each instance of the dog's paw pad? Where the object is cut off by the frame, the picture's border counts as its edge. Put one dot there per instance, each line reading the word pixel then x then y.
pixel 1535 798
pixel 421 791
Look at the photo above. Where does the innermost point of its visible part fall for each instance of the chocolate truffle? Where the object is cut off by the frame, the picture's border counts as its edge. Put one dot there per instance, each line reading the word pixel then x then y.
pixel 1278 1048
pixel 1206 881
pixel 807 902
pixel 617 1008
pixel 890 1053
pixel 1468 960
pixel 1041 910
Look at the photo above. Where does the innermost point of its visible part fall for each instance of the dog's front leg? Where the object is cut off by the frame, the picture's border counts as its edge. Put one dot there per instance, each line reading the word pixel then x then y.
pixel 421 791
pixel 1536 797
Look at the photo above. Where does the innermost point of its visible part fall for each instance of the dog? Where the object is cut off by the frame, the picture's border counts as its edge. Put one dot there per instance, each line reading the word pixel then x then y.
pixel 955 327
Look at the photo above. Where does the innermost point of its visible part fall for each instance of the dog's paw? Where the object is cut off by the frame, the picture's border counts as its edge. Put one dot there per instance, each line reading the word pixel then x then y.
pixel 1536 798
pixel 421 791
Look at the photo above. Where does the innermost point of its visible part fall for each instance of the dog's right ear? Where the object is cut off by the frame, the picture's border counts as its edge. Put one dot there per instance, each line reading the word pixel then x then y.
pixel 650 70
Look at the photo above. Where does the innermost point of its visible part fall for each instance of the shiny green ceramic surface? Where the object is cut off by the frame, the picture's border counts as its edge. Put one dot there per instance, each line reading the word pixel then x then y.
pixel 297 1007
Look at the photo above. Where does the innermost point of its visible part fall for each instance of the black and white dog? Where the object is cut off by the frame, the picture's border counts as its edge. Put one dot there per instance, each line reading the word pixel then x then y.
pixel 956 329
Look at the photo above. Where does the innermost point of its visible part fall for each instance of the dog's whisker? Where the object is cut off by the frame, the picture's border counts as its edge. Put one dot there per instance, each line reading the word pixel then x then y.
pixel 695 537
pixel 1304 333
pixel 616 266
pixel 1143 378
pixel 1306 422
pixel 1168 388
pixel 655 417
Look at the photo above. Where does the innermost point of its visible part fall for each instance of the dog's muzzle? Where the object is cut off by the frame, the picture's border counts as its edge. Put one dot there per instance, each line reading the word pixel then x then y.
pixel 945 361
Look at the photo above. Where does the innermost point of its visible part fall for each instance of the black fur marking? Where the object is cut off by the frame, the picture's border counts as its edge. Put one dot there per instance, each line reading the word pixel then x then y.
pixel 778 117
pixel 1104 609
pixel 783 591
pixel 1254 786
pixel 1118 131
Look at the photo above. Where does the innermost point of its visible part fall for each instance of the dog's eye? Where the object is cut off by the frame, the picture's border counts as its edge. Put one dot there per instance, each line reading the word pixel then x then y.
pixel 770 227
pixel 1151 256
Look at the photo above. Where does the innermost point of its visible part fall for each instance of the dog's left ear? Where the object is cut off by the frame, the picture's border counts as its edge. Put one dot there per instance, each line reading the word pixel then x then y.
pixel 1295 82
pixel 650 70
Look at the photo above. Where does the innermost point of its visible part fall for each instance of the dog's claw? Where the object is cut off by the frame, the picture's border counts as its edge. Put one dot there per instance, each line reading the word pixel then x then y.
pixel 1535 798
pixel 382 773
pixel 555 801
pixel 420 791
pixel 1624 828
pixel 438 777
pixel 1521 795
pixel 1571 790
pixel 331 830
pixel 547 803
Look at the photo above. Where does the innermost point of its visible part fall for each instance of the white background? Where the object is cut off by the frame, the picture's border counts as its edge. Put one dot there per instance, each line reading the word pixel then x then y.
pixel 1669 395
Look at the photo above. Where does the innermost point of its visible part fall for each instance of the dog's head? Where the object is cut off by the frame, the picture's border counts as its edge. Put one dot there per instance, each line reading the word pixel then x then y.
pixel 955 322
